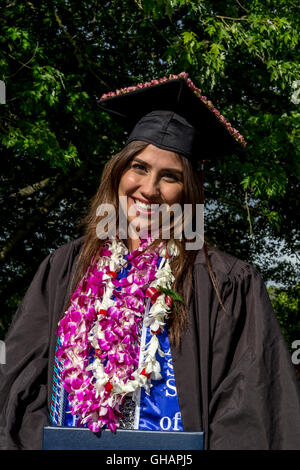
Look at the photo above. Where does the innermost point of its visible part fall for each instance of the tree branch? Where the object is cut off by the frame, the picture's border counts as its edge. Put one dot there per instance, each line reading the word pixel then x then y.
pixel 242 6
pixel 32 188
pixel 248 216
pixel 242 18
pixel 243 39
pixel 77 51
pixel 35 219
pixel 81 58
pixel 23 64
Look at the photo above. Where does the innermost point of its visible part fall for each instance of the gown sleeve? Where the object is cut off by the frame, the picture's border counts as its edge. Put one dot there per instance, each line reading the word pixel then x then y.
pixel 255 396
pixel 23 379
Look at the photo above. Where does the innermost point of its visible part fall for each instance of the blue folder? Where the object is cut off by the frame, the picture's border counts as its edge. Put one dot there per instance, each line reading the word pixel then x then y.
pixel 67 438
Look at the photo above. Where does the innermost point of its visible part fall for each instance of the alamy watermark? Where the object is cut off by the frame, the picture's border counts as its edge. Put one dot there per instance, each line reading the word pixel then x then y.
pixel 2 93
pixel 155 220
pixel 2 352
pixel 295 96
pixel 296 353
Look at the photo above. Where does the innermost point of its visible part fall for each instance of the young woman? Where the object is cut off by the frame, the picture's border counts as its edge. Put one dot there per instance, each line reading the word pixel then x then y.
pixel 131 329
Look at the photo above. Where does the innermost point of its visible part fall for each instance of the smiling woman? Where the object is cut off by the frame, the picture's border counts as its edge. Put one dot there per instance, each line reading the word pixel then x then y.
pixel 145 333
pixel 121 178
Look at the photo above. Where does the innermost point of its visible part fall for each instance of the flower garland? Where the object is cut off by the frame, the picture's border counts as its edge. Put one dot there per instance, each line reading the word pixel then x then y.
pixel 94 321
pixel 234 132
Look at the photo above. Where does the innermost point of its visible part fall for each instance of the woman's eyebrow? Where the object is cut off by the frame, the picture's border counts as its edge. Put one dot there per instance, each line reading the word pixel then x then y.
pixel 173 170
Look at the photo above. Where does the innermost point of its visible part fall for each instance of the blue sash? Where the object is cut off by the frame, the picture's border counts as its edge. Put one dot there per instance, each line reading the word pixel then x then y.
pixel 159 411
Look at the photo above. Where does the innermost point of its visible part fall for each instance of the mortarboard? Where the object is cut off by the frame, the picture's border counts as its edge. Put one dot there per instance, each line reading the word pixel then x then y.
pixel 172 114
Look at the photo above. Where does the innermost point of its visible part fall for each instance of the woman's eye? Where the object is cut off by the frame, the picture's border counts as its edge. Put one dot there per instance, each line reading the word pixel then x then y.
pixel 138 166
pixel 171 176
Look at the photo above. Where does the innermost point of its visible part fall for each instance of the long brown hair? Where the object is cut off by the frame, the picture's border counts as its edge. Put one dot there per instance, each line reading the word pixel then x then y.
pixel 182 265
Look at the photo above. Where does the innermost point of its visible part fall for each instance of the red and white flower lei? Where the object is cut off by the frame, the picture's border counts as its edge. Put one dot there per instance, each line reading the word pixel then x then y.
pixel 112 328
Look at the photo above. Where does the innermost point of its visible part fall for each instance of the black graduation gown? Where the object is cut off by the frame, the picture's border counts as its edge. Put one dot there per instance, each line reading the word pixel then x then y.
pixel 233 372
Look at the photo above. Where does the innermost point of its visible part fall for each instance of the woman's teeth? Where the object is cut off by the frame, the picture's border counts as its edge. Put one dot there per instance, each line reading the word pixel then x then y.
pixel 144 208
pixel 142 205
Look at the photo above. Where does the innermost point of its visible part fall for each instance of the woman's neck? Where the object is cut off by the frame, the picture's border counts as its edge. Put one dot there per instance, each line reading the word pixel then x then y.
pixel 133 244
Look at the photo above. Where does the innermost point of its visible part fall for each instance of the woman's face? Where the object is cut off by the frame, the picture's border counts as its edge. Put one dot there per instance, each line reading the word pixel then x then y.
pixel 154 176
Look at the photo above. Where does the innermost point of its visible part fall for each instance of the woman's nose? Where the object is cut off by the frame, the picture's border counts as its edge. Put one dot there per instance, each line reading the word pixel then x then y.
pixel 150 188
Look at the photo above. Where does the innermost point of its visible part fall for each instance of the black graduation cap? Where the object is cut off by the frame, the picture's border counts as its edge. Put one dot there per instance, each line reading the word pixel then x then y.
pixel 173 115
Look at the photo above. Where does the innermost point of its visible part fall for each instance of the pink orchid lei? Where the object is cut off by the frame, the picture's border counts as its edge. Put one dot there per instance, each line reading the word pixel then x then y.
pixel 111 327
pixel 234 132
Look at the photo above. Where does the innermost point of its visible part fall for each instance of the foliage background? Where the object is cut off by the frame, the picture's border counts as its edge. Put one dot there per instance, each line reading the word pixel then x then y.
pixel 57 58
